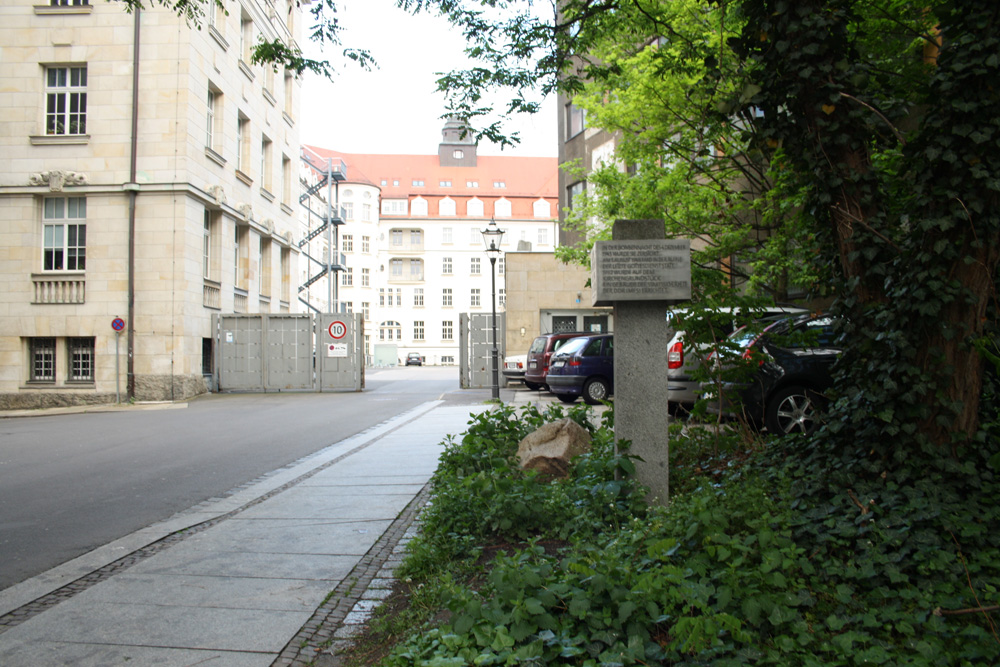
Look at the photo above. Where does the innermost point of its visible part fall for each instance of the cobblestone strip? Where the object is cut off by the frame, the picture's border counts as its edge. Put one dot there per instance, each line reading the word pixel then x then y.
pixel 37 606
pixel 350 605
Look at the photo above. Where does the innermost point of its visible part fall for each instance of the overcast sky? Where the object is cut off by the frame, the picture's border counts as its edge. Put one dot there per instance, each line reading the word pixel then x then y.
pixel 395 109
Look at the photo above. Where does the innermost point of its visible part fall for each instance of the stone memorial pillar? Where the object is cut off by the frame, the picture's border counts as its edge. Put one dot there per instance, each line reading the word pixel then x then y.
pixel 642 275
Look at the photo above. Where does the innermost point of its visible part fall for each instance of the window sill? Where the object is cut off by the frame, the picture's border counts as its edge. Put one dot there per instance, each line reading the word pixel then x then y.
pixel 286 209
pixel 245 68
pixel 288 119
pixel 217 36
pixel 214 157
pixel 48 9
pixel 59 139
pixel 270 97
pixel 243 177
pixel 266 194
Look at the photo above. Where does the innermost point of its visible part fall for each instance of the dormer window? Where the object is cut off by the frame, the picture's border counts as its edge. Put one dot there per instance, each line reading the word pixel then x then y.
pixel 458 154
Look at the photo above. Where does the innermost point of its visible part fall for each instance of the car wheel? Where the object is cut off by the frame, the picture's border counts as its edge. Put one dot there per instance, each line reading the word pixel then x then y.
pixel 566 398
pixel 595 391
pixel 532 385
pixel 793 410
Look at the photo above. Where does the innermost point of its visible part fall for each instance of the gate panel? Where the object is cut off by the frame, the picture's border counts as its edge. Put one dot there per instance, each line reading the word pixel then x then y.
pixel 339 351
pixel 289 351
pixel 480 349
pixel 241 353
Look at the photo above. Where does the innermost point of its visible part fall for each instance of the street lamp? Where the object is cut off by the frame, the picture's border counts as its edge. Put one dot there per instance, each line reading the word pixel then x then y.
pixel 492 236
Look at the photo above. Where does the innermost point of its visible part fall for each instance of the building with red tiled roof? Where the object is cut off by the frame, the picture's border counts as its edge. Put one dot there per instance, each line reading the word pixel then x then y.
pixel 413 252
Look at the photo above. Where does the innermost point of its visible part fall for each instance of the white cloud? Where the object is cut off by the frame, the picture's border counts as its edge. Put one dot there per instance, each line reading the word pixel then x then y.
pixel 396 108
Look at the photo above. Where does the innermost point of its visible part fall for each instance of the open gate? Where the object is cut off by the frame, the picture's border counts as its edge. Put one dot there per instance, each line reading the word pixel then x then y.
pixel 475 345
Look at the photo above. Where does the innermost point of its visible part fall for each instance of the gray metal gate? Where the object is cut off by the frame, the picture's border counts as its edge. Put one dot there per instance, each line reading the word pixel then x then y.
pixel 475 346
pixel 340 360
pixel 288 352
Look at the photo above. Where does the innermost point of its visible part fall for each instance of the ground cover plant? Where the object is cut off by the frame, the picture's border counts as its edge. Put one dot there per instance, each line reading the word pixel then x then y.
pixel 783 552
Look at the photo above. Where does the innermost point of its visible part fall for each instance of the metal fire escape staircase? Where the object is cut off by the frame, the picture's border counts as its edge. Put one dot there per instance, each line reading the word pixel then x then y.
pixel 330 172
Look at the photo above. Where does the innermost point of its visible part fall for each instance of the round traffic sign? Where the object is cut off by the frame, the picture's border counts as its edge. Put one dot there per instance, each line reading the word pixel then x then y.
pixel 337 330
pixel 118 324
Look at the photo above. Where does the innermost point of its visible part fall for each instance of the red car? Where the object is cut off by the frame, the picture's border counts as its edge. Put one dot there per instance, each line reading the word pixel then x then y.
pixel 539 354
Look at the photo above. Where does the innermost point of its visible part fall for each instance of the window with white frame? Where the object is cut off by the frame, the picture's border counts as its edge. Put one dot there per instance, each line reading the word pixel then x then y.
pixel 541 209
pixel 475 207
pixel 80 352
pixel 416 269
pixel 394 206
pixel 500 185
pixel 66 100
pixel 475 266
pixel 289 90
pixel 418 330
pixel 366 213
pixel 444 184
pixel 210 118
pixel 446 296
pixel 447 330
pixel 474 297
pixel 502 208
pixel 366 309
pixel 396 267
pixel 64 234
pixel 381 297
pixel 418 296
pixel 347 242
pixel 446 266
pixel 242 143
pixel 502 296
pixel 366 244
pixel 396 237
pixel 43 359
pixel 286 180
pixel 390 330
pixel 69 3
pixel 399 296
pixel 418 182
pixel 266 181
pixel 348 207
pixel 475 236
pixel 246 38
pixel 347 277
pixel 419 206
pixel 543 236
pixel 446 235
pixel 416 238
pixel 472 184
pixel 446 206
pixel 500 266
pixel 366 277
pixel 347 307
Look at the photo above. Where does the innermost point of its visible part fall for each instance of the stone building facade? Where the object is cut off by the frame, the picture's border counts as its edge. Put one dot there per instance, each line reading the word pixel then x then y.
pixel 150 180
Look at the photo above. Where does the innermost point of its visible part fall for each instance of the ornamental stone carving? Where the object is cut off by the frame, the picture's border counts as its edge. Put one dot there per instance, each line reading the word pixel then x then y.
pixel 289 238
pixel 268 224
pixel 246 210
pixel 57 179
pixel 218 193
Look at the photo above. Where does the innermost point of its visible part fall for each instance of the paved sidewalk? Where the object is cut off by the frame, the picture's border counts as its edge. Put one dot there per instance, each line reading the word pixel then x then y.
pixel 230 582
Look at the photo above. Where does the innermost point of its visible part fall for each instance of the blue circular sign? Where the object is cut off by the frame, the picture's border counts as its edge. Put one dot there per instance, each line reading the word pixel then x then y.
pixel 118 324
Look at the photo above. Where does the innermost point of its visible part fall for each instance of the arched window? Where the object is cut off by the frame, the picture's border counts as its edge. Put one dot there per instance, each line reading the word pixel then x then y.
pixel 475 207
pixel 502 208
pixel 447 206
pixel 390 330
pixel 542 209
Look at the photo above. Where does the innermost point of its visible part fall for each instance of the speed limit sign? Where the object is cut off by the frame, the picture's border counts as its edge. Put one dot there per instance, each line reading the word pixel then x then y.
pixel 337 330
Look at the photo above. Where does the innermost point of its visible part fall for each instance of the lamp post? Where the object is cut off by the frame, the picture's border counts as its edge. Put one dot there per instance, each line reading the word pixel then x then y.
pixel 492 236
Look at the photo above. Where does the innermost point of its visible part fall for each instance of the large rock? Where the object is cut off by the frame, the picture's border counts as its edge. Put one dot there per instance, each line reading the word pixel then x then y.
pixel 550 449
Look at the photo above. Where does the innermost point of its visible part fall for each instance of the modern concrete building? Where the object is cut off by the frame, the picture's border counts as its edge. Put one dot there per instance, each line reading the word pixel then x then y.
pixel 150 180
pixel 412 239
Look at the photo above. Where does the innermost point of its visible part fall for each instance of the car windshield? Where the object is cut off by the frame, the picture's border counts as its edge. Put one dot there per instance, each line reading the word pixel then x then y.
pixel 537 346
pixel 572 346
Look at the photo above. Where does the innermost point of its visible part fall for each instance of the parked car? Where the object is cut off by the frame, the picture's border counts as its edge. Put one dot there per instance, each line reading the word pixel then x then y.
pixel 584 366
pixel 540 353
pixel 514 367
pixel 414 359
pixel 683 390
pixel 785 394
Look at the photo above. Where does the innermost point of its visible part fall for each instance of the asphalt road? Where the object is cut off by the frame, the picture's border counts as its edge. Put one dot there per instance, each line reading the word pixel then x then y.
pixel 70 483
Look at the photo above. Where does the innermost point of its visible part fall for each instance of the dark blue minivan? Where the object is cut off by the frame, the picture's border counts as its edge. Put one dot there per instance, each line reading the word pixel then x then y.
pixel 584 366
